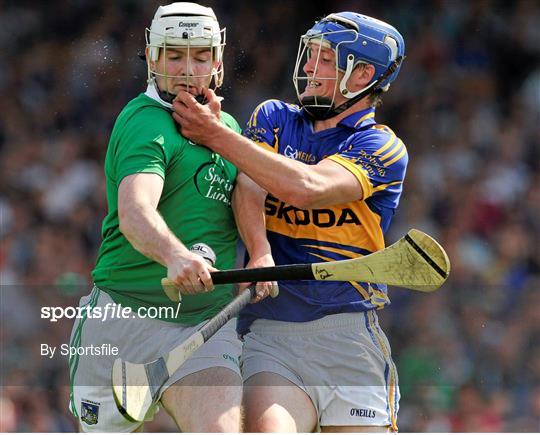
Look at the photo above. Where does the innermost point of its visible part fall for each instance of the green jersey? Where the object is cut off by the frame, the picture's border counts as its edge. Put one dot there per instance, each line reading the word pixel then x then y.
pixel 195 204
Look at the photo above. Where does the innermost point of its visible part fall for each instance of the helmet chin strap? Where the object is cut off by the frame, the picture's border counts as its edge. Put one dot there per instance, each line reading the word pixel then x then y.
pixel 312 104
pixel 165 95
pixel 168 98
pixel 318 113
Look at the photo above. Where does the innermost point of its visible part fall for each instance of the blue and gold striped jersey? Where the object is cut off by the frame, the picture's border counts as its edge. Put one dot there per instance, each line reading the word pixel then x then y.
pixel 378 159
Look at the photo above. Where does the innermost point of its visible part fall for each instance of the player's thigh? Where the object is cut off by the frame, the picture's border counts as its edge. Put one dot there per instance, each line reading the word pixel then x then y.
pixel 355 429
pixel 91 398
pixel 341 361
pixel 353 382
pixel 206 401
pixel 274 404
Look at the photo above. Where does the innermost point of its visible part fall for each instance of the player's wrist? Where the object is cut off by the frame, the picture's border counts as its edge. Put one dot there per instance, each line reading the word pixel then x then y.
pixel 259 249
pixel 171 256
pixel 216 136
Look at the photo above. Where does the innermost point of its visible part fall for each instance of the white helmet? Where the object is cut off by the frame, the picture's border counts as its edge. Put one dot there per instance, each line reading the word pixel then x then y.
pixel 188 25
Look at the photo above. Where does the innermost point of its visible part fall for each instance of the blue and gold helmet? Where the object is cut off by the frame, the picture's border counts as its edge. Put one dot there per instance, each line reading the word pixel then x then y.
pixel 356 39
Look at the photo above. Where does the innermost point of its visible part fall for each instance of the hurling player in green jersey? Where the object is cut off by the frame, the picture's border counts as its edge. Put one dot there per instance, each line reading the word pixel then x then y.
pixel 165 194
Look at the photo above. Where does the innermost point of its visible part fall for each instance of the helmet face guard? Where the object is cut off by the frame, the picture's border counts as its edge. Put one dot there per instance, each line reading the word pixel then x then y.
pixel 301 82
pixel 179 26
pixel 355 39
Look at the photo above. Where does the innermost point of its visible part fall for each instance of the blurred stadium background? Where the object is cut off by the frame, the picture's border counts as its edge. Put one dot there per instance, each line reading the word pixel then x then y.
pixel 467 104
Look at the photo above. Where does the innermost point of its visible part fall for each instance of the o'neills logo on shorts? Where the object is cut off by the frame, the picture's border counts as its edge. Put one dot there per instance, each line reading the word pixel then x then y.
pixel 362 412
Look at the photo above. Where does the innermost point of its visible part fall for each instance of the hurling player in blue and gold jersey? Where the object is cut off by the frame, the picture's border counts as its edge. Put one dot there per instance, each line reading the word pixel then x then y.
pixel 326 180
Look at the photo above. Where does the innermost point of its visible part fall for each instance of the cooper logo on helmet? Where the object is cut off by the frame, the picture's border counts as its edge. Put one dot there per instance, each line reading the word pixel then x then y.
pixel 182 24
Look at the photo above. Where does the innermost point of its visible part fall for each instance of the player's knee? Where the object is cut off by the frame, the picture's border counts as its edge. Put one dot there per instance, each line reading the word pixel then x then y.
pixel 262 424
pixel 229 422
pixel 269 422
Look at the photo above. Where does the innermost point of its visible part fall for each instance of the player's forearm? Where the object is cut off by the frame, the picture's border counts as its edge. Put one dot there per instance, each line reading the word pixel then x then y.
pixel 289 180
pixel 148 233
pixel 248 206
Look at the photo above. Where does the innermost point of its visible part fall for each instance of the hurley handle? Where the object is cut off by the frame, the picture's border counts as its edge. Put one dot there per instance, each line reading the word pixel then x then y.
pixel 258 274
pixel 261 274
pixel 230 311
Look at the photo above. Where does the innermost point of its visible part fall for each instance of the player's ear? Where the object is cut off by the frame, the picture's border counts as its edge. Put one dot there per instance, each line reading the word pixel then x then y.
pixel 361 76
pixel 151 63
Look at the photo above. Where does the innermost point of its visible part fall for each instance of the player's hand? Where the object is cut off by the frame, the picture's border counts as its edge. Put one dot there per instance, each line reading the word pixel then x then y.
pixel 213 102
pixel 198 122
pixel 263 289
pixel 191 274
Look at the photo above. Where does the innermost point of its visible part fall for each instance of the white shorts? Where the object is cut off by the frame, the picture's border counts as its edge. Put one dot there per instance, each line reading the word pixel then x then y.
pixel 341 361
pixel 139 340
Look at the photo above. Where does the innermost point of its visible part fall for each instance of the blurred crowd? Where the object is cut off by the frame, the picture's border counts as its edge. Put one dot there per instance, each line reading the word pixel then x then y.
pixel 466 103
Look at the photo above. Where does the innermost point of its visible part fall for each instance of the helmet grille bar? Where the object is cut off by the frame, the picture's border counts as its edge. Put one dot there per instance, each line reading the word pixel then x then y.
pixel 185 15
pixel 333 18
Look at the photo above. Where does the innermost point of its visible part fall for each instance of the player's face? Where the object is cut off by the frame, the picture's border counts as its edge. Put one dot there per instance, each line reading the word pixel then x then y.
pixel 321 69
pixel 187 70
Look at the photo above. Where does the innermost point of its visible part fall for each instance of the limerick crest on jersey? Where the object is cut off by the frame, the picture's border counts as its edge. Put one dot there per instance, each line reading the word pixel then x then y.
pixel 214 181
